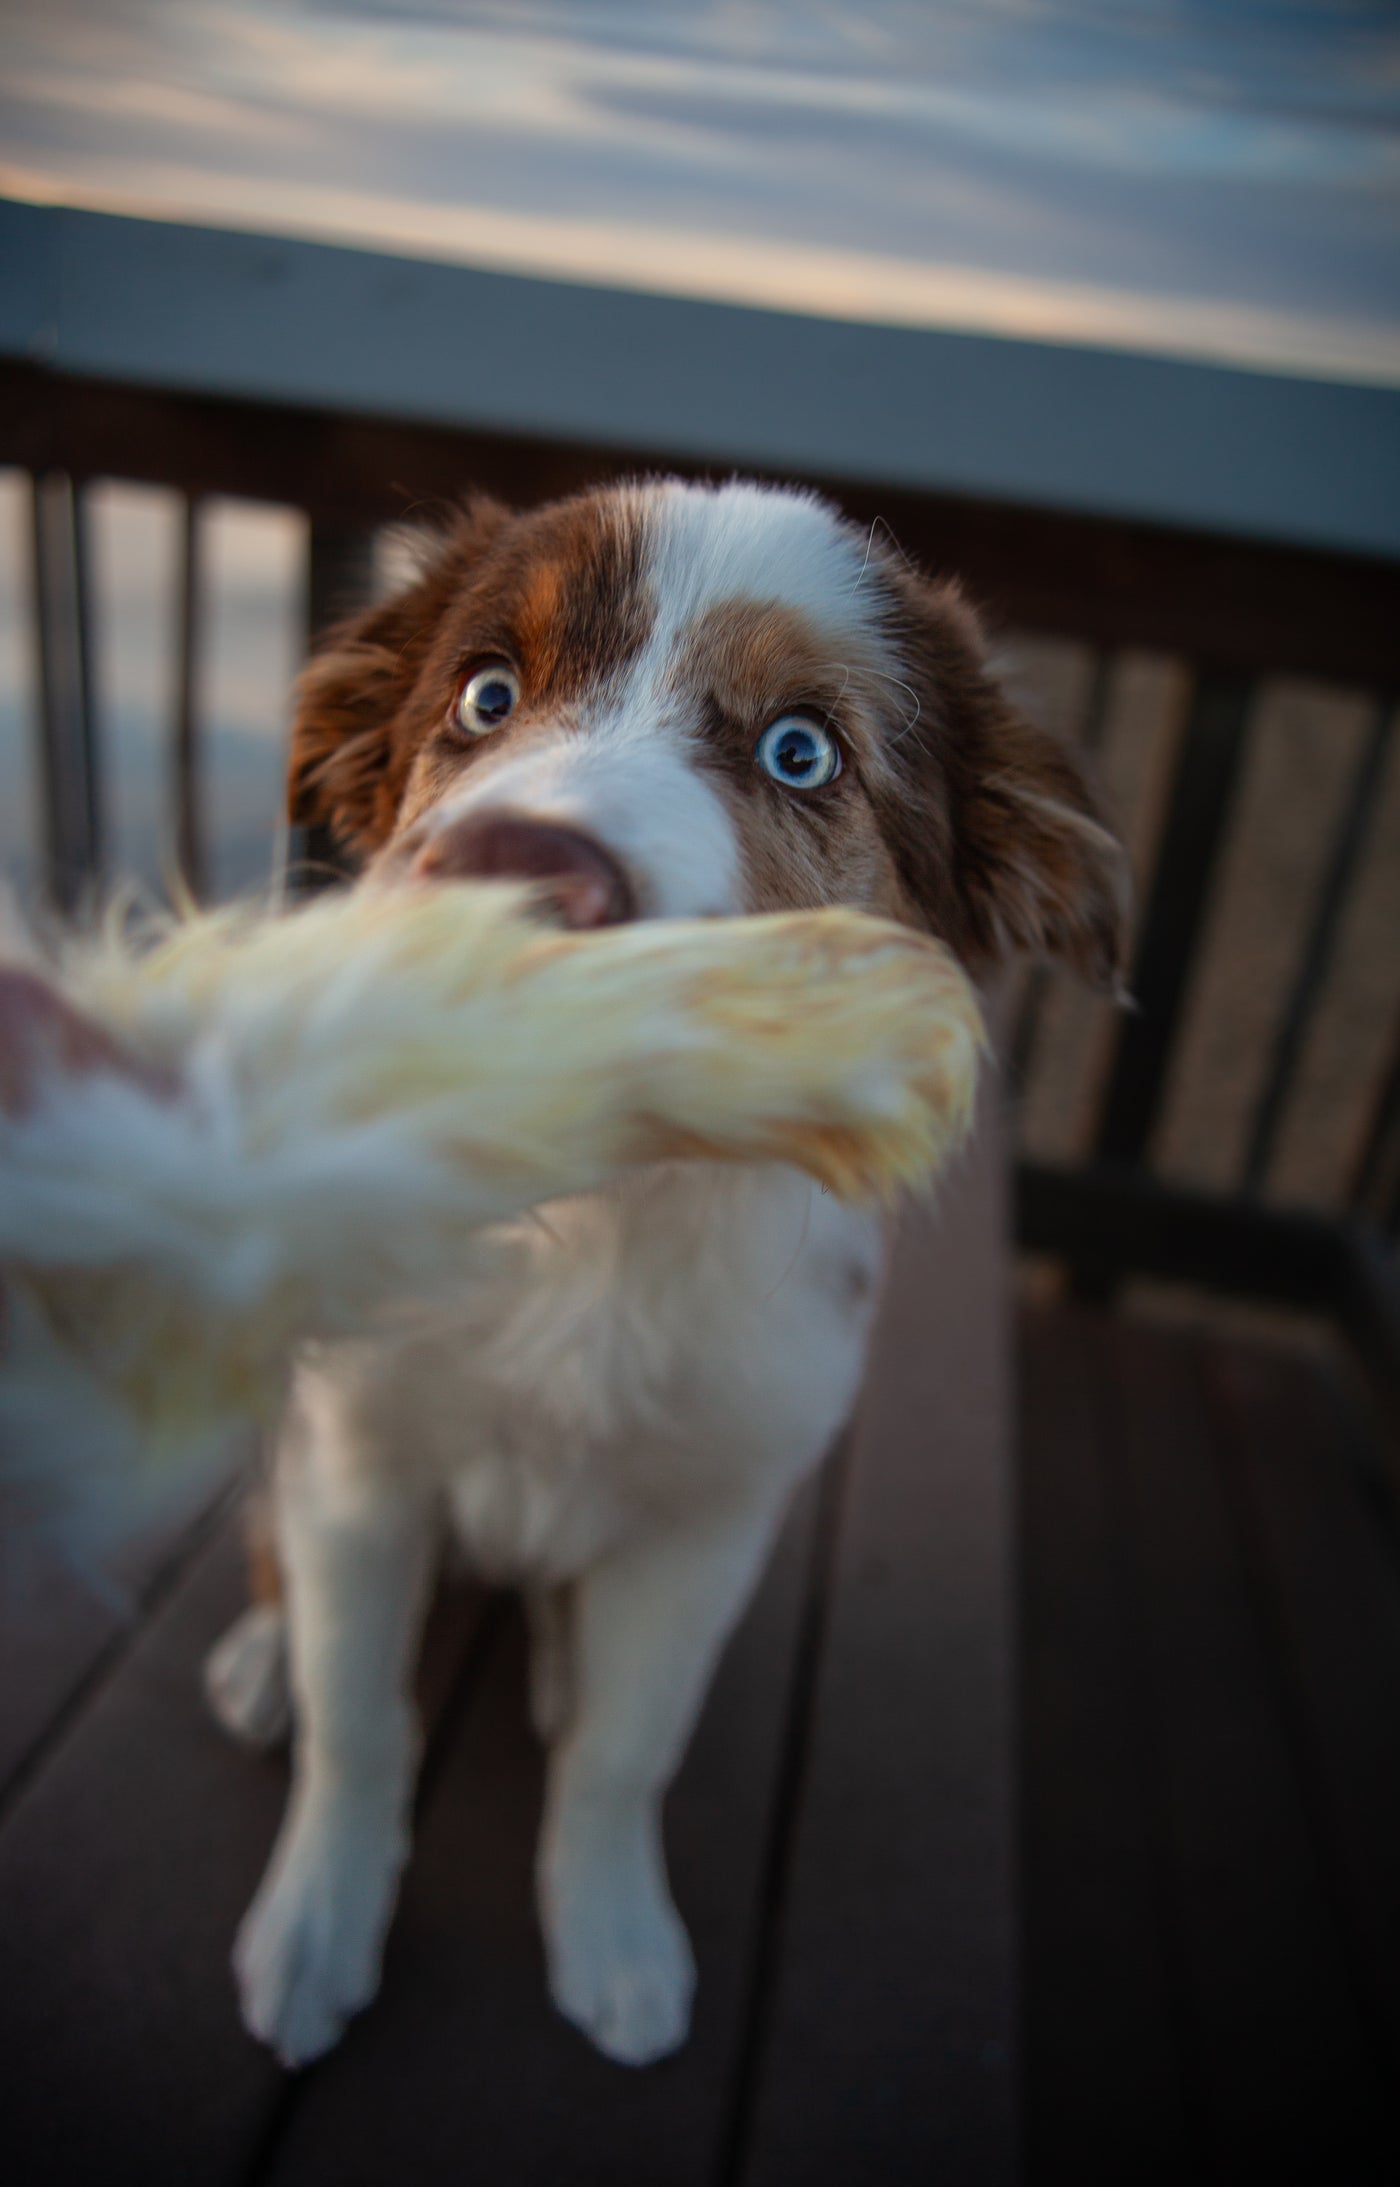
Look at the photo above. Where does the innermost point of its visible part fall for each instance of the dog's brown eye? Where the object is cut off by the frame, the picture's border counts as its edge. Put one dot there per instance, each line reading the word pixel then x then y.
pixel 490 693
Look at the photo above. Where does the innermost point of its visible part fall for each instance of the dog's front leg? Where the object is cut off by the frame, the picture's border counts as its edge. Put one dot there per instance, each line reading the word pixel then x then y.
pixel 648 1625
pixel 356 1553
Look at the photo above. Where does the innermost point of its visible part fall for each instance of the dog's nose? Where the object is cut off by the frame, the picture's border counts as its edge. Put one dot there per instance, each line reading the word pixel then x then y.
pixel 573 874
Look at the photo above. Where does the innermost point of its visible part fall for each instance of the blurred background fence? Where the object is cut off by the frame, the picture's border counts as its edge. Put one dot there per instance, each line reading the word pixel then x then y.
pixel 166 558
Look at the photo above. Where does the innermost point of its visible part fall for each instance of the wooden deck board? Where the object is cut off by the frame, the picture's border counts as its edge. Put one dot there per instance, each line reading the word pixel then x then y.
pixel 888 2050
pixel 1210 1728
pixel 1255 1588
pixel 124 1870
pixel 1107 2094
pixel 1324 1531
pixel 60 1623
pixel 1286 2072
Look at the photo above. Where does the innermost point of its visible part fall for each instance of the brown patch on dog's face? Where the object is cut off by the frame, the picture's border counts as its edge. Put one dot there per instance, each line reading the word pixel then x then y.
pixel 745 665
pixel 950 811
pixel 995 832
pixel 558 593
pixel 349 755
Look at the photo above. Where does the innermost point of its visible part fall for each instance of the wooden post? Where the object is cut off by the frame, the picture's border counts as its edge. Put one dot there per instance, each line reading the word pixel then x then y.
pixel 68 759
pixel 340 579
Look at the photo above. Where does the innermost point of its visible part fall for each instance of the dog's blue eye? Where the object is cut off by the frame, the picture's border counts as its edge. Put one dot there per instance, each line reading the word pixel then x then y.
pixel 799 753
pixel 489 694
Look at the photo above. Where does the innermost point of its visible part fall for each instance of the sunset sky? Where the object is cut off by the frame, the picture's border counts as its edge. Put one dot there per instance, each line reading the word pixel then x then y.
pixel 1217 178
pixel 1200 178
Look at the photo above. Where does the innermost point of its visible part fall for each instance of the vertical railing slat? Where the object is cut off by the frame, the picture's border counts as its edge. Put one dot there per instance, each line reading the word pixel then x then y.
pixel 185 783
pixel 1380 1145
pixel 1332 899
pixel 1193 837
pixel 68 758
pixel 340 579
pixel 1092 727
pixel 340 573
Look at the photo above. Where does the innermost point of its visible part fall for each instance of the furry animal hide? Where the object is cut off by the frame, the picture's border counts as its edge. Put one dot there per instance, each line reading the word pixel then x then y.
pixel 336 1098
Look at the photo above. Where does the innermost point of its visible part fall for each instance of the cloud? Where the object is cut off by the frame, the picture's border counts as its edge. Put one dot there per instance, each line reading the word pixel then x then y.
pixel 1211 181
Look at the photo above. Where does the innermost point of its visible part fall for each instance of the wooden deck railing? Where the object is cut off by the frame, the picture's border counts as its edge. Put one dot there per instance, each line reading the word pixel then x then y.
pixel 1236 612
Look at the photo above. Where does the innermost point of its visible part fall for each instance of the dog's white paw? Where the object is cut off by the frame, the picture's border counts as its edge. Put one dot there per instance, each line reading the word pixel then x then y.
pixel 246 1679
pixel 621 1968
pixel 309 1950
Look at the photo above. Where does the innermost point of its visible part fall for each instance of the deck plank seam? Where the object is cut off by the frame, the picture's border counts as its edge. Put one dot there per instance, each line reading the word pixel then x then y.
pixel 1309 1772
pixel 481 1649
pixel 1361 1426
pixel 790 1777
pixel 147 1602
pixel 1112 1407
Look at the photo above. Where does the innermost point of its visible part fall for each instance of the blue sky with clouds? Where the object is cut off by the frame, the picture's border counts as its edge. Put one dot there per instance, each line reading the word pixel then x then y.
pixel 1209 177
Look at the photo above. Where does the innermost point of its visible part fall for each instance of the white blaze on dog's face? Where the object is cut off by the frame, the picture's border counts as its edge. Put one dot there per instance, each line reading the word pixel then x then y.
pixel 664 700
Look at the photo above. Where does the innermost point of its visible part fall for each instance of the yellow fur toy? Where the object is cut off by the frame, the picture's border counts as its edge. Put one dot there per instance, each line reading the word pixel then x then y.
pixel 355 1086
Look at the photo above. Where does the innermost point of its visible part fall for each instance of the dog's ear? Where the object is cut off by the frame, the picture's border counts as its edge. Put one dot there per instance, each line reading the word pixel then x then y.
pixel 998 837
pixel 349 759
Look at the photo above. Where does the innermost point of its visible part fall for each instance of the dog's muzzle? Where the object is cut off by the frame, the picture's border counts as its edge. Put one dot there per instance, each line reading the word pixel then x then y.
pixel 573 875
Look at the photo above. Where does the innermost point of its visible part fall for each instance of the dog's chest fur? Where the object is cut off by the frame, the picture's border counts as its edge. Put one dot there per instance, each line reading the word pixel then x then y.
pixel 624 1356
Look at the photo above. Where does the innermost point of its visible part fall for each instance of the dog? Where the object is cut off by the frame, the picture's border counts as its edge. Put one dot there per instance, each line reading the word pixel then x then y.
pixel 653 700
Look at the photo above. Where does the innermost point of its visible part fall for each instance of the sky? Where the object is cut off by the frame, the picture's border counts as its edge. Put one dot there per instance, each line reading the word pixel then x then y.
pixel 1212 178
pixel 1215 178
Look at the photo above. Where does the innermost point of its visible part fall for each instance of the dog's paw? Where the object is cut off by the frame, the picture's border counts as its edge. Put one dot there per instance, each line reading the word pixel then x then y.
pixel 246 1681
pixel 309 1950
pixel 623 1973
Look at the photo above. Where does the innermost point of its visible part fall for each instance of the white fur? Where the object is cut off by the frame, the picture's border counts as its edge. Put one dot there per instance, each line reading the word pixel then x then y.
pixel 617 1420
pixel 246 1678
pixel 648 1380
pixel 633 786
pixel 748 542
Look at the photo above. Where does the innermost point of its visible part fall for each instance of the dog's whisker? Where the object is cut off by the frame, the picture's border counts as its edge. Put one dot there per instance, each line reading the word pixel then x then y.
pixel 883 675
pixel 869 545
pixel 908 727
pixel 875 525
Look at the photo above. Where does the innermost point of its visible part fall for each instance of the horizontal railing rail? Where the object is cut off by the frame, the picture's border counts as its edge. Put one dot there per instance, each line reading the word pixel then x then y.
pixel 1241 604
